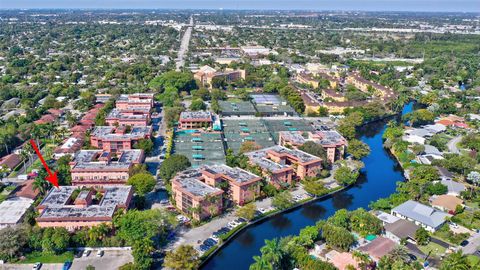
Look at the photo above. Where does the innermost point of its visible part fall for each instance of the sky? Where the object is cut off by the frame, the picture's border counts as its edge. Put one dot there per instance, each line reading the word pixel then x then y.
pixel 365 5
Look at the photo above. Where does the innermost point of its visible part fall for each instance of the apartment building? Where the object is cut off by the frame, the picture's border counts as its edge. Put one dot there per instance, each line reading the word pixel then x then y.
pixel 206 75
pixel 73 208
pixel 197 119
pixel 333 143
pixel 113 139
pixel 235 184
pixel 102 168
pixel 283 166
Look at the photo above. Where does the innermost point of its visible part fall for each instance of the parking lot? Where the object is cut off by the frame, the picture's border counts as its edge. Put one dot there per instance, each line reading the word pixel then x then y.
pixel 199 237
pixel 111 259
pixel 29 266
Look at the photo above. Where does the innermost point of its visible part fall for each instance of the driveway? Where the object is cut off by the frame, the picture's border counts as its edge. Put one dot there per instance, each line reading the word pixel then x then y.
pixel 473 244
pixel 452 145
pixel 112 259
pixel 440 242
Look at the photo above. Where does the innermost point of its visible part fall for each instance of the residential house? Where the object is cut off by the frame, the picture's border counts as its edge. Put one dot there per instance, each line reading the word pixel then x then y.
pixel 446 203
pixel 401 230
pixel 422 215
pixel 12 211
pixel 378 248
pixel 69 146
pixel 10 162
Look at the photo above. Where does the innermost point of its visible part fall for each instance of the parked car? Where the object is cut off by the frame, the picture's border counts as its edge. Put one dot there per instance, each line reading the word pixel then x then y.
pixel 210 241
pixel 100 253
pixel 240 220
pixel 86 253
pixel 37 266
pixel 412 257
pixel 464 243
pixel 204 248
pixel 67 265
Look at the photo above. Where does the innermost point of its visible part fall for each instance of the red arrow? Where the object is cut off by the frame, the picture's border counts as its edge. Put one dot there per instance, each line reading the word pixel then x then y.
pixel 52 177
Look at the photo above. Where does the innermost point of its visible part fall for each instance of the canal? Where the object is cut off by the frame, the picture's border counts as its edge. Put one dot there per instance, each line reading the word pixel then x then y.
pixel 377 180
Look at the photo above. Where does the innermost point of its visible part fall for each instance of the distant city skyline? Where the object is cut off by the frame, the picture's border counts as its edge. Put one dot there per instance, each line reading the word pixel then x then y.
pixel 361 5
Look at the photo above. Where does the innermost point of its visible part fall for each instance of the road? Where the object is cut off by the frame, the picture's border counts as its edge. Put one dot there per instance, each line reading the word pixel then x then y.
pixel 180 61
pixel 473 244
pixel 452 145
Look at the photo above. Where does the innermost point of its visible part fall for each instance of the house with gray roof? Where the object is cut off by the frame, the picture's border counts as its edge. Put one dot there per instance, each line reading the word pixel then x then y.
pixel 422 215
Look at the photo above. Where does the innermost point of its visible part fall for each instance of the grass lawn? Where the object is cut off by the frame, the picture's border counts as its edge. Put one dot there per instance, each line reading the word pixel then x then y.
pixel 3 197
pixel 473 260
pixel 43 258
pixel 436 249
pixel 467 219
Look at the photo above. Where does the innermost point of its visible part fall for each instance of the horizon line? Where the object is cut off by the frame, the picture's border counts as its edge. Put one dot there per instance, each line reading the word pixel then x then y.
pixel 233 9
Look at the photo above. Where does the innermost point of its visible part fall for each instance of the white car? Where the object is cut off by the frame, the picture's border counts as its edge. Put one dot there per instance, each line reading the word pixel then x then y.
pixel 37 266
pixel 86 253
pixel 100 253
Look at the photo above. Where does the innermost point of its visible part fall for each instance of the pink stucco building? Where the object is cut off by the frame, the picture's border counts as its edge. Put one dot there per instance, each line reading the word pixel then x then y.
pixel 97 168
pixel 333 143
pixel 282 166
pixel 119 117
pixel 138 101
pixel 197 119
pixel 210 185
pixel 73 208
pixel 115 139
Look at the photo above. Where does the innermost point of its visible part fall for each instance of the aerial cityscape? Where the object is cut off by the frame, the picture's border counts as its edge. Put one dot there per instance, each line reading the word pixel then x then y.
pixel 252 135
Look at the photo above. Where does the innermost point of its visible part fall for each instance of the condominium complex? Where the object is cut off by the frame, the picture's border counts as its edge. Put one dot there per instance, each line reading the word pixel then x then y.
pixel 73 208
pixel 283 166
pixel 207 187
pixel 113 139
pixel 207 75
pixel 138 100
pixel 365 85
pixel 100 168
pixel 131 110
pixel 197 119
pixel 119 117
pixel 333 143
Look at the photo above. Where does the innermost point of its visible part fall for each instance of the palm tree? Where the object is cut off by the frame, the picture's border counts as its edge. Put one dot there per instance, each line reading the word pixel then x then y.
pixel 455 261
pixel 272 252
pixel 40 184
pixel 260 264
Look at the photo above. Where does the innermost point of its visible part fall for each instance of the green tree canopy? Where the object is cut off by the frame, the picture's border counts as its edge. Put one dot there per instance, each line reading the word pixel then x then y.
pixel 142 182
pixel 358 149
pixel 173 164
pixel 183 258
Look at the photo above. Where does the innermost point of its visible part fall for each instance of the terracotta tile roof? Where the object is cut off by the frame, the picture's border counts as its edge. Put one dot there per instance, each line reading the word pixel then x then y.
pixel 447 202
pixel 11 161
pixel 45 119
pixel 379 247
pixel 344 259
pixel 26 190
